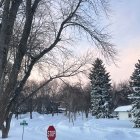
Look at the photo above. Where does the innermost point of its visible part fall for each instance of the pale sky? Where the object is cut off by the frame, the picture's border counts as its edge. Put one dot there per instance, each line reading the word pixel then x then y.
pixel 125 21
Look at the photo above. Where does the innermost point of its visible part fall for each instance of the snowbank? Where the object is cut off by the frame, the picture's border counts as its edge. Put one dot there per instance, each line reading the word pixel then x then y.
pixel 123 108
pixel 83 129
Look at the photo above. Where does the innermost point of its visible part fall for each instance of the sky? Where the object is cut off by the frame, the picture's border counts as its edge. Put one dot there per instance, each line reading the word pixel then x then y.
pixel 123 21
pixel 124 26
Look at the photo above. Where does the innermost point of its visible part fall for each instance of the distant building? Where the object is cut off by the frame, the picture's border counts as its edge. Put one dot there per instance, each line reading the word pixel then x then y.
pixel 124 112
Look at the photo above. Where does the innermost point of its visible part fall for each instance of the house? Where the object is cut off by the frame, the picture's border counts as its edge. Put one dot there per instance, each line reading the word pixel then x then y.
pixel 124 112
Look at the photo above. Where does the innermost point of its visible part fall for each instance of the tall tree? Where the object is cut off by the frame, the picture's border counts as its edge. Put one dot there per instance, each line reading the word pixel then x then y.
pixel 34 30
pixel 135 84
pixel 100 90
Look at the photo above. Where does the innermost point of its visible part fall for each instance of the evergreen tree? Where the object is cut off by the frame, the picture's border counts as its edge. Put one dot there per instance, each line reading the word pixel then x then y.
pixel 100 90
pixel 135 84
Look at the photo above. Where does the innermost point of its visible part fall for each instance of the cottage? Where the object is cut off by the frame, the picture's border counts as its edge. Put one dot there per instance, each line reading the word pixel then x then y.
pixel 124 112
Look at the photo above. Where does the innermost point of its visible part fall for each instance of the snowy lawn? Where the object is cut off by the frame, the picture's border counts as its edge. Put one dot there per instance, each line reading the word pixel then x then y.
pixel 83 129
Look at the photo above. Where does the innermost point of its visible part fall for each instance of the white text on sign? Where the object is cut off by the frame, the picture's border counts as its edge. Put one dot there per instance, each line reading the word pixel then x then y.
pixel 51 133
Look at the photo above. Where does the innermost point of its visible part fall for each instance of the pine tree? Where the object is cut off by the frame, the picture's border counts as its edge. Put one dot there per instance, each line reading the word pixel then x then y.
pixel 100 90
pixel 135 84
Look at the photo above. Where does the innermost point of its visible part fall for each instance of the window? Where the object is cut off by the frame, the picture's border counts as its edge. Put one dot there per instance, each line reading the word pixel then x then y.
pixel 129 115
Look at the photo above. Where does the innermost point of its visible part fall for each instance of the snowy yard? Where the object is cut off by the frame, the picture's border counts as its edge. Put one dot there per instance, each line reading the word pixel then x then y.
pixel 83 129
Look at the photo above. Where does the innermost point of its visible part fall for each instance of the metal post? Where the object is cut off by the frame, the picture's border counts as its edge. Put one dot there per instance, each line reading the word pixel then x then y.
pixel 23 132
pixel 24 123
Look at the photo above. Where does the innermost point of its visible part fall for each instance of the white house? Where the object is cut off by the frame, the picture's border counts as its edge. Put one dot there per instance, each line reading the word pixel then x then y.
pixel 124 112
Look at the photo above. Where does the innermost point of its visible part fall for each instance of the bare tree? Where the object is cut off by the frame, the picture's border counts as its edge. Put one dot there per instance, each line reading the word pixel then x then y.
pixel 75 99
pixel 86 100
pixel 50 24
pixel 120 94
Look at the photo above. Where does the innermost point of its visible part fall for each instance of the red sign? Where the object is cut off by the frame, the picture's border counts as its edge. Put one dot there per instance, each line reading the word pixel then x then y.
pixel 51 133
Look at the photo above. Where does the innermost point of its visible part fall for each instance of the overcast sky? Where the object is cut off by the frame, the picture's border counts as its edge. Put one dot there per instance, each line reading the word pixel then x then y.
pixel 125 21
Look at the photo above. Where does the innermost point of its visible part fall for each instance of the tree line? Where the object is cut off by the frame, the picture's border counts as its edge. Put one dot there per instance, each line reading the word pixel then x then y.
pixel 99 96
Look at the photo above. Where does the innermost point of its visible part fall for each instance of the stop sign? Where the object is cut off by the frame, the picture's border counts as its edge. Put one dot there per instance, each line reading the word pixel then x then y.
pixel 51 133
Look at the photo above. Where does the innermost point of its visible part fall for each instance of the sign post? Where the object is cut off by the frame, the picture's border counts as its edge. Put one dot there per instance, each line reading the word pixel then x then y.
pixel 24 123
pixel 51 133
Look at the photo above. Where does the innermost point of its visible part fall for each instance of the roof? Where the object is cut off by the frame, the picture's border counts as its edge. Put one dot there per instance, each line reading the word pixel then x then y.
pixel 123 108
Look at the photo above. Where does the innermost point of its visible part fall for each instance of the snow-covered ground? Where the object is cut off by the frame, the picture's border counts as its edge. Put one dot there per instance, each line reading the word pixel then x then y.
pixel 83 129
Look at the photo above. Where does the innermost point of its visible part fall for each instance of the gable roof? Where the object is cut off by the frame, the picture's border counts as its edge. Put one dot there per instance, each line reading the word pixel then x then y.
pixel 123 108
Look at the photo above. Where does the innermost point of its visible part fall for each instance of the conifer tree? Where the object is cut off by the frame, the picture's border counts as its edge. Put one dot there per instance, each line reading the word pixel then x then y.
pixel 135 84
pixel 100 90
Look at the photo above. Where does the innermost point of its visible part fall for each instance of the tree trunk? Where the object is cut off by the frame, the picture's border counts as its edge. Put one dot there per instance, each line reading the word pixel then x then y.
pixel 74 114
pixel 31 115
pixel 86 113
pixel 6 126
pixel 16 115
pixel 5 131
pixel 52 113
pixel 69 115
